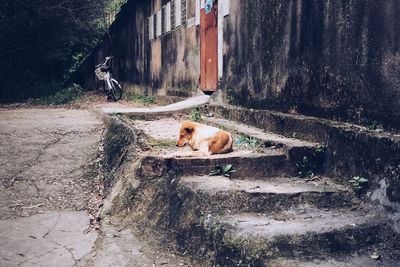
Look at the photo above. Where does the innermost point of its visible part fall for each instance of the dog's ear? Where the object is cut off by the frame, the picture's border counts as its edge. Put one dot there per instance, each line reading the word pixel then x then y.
pixel 189 130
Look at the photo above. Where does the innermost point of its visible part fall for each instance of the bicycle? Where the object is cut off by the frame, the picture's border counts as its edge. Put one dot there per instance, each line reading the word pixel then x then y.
pixel 111 86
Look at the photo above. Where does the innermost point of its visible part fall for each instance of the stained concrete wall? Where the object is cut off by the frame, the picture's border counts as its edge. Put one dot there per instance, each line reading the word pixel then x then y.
pixel 336 59
pixel 169 64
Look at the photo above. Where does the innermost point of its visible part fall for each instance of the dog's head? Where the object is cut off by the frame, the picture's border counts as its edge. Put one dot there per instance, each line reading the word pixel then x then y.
pixel 185 133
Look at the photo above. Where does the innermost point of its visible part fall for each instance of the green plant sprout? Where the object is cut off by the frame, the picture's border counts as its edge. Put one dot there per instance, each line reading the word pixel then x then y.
pixel 311 164
pixel 305 168
pixel 374 127
pixel 358 183
pixel 225 171
pixel 247 141
pixel 196 115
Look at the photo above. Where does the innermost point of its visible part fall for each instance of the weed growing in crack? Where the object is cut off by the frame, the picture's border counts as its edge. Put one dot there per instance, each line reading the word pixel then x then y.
pixel 231 97
pixel 196 115
pixel 359 183
pixel 247 141
pixel 225 171
pixel 320 149
pixel 311 164
pixel 374 127
pixel 305 168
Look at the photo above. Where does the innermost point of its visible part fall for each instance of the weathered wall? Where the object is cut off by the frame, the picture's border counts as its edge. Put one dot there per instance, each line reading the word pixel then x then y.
pixel 168 64
pixel 339 59
pixel 176 57
pixel 350 150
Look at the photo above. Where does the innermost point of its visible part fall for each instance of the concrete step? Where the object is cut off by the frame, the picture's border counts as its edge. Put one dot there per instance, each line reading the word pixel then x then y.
pixel 247 164
pixel 167 128
pixel 295 233
pixel 363 260
pixel 278 156
pixel 294 148
pixel 259 216
pixel 216 194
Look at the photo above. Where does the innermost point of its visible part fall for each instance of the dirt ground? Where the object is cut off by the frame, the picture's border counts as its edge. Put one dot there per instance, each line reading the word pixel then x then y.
pixel 51 190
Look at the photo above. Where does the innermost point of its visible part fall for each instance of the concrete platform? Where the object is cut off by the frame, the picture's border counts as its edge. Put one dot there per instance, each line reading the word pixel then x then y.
pixel 188 103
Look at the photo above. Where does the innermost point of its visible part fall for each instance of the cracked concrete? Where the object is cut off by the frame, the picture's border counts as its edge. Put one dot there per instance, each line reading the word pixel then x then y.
pixel 50 190
pixel 46 160
pixel 51 239
pixel 122 247
pixel 48 185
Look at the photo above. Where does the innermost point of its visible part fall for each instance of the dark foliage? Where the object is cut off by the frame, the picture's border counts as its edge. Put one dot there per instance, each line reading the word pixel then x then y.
pixel 42 41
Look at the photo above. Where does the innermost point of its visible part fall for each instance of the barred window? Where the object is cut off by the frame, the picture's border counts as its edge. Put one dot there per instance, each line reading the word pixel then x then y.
pixel 163 20
pixel 172 14
pixel 183 12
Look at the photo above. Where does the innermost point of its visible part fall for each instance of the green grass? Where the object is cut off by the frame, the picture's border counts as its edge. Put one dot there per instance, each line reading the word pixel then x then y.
pixel 65 96
pixel 162 143
pixel 140 98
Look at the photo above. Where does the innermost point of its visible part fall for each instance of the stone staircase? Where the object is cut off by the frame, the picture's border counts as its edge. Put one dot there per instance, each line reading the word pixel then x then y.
pixel 264 214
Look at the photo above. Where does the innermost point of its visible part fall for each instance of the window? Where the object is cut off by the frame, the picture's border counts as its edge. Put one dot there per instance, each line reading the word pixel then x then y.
pixel 178 12
pixel 158 24
pixel 150 28
pixel 163 20
pixel 168 17
pixel 172 14
pixel 154 26
pixel 183 12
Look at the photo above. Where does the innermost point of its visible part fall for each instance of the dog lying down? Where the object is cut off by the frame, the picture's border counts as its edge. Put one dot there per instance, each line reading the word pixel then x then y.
pixel 203 139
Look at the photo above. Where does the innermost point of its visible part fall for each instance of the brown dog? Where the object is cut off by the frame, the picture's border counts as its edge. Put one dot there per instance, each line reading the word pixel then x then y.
pixel 203 139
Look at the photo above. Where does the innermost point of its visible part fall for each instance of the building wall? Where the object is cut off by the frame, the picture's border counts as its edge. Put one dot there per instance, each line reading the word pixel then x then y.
pixel 165 65
pixel 337 59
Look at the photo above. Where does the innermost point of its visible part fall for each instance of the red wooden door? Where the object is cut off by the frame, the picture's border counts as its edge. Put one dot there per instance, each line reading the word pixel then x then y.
pixel 209 49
